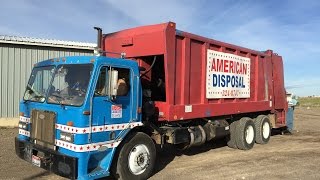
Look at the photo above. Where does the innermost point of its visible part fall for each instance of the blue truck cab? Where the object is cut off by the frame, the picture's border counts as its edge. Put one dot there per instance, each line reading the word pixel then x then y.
pixel 77 111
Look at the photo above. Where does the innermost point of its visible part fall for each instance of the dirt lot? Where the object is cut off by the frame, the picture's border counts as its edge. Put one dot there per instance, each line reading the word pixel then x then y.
pixel 285 157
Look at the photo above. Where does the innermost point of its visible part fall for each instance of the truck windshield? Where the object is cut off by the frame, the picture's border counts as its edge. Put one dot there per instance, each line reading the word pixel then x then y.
pixel 70 84
pixel 38 84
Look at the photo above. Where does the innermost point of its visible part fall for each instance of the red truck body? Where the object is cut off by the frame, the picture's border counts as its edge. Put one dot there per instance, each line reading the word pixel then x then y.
pixel 187 67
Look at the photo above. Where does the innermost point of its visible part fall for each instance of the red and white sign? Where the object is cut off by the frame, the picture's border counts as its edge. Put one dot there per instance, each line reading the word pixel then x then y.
pixel 116 111
pixel 36 160
pixel 228 75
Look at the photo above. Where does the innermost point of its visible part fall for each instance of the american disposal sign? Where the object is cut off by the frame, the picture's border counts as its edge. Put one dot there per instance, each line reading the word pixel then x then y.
pixel 228 75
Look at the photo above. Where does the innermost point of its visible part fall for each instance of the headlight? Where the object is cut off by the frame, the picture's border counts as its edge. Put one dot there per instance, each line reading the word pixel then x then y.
pixel 23 125
pixel 66 136
pixel 69 138
pixel 62 136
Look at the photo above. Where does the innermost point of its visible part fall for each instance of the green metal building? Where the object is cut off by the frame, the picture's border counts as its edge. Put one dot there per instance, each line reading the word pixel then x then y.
pixel 17 57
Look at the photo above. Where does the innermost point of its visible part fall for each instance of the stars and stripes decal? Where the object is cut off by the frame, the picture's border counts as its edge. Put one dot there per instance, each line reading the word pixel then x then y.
pixel 85 130
pixel 71 129
pixel 77 147
pixel 24 132
pixel 95 129
pixel 24 119
pixel 86 147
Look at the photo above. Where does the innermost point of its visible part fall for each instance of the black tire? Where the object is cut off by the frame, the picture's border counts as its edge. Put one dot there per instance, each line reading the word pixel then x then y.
pixel 121 169
pixel 262 134
pixel 231 139
pixel 244 140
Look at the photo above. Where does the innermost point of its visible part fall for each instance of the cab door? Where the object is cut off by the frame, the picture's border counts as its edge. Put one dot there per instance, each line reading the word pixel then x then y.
pixel 110 114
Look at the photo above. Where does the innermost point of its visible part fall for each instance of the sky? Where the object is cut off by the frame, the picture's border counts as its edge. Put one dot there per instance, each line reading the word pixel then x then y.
pixel 290 28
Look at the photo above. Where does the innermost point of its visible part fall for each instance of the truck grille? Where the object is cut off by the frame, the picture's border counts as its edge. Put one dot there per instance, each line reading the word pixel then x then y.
pixel 43 128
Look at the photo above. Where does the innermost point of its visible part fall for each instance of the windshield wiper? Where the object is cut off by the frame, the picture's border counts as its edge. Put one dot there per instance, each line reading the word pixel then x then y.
pixel 58 96
pixel 38 96
pixel 33 91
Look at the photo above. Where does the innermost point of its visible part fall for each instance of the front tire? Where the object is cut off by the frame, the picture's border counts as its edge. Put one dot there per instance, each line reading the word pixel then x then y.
pixel 136 158
pixel 245 131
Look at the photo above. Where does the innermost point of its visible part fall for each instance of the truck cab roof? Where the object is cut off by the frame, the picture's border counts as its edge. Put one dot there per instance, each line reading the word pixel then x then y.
pixel 96 60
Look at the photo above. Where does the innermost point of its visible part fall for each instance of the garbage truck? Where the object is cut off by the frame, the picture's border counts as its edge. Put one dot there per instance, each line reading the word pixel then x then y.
pixel 88 117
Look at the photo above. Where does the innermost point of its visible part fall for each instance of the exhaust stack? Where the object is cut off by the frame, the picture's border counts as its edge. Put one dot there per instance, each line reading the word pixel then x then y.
pixel 98 50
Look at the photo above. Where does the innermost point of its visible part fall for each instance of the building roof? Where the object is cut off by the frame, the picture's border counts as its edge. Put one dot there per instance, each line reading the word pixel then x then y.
pixel 46 42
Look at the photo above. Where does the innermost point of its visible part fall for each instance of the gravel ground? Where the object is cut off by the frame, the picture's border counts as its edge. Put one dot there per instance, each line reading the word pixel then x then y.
pixel 284 157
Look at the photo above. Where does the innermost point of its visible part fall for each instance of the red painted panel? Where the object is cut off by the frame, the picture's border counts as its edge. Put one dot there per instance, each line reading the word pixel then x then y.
pixel 279 90
pixel 185 59
pixel 185 72
pixel 196 80
pixel 170 65
pixel 178 79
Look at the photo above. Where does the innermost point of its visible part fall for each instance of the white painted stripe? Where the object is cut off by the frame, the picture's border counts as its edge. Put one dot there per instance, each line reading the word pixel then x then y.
pixel 95 129
pixel 24 119
pixel 86 147
pixel 24 132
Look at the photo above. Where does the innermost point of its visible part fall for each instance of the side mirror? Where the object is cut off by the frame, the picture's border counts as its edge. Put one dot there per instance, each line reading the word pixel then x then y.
pixel 114 83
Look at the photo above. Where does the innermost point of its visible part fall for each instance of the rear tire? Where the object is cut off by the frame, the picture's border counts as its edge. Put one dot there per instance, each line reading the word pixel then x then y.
pixel 231 139
pixel 263 129
pixel 136 158
pixel 245 133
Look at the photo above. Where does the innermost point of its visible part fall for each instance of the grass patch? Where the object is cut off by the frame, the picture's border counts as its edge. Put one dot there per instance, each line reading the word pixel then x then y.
pixel 309 101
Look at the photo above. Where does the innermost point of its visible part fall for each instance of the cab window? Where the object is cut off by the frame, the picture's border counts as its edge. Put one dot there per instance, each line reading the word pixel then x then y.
pixel 123 85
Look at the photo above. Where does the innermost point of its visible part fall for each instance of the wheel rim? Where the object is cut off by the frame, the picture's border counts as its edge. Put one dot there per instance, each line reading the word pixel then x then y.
pixel 249 134
pixel 139 158
pixel 266 130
